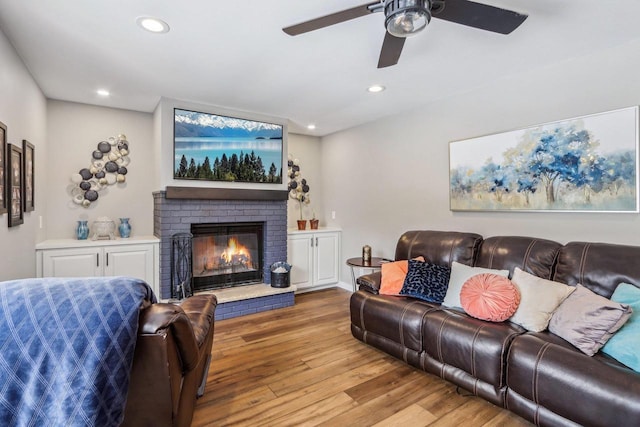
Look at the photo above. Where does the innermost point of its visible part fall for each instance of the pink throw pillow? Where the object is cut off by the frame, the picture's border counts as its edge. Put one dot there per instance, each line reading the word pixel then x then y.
pixel 489 297
pixel 393 275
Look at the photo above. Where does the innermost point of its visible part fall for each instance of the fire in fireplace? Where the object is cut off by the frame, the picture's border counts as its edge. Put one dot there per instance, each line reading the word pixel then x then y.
pixel 225 255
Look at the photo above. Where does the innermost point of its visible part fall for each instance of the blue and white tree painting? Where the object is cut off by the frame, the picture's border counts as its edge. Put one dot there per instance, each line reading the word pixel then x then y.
pixel 583 164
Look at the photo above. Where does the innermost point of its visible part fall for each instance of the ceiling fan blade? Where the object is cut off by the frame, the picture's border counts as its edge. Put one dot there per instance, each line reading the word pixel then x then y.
pixel 334 18
pixel 480 16
pixel 391 50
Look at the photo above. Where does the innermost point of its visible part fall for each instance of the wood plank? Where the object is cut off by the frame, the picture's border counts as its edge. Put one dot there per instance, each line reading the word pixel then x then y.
pixel 474 412
pixel 321 373
pixel 379 385
pixel 414 415
pixel 300 366
pixel 214 411
pixel 315 413
pixel 329 355
pixel 443 399
pixel 300 399
pixel 202 193
pixel 506 419
pixel 410 390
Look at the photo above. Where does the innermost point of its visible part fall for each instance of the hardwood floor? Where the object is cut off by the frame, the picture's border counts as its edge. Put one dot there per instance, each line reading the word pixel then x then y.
pixel 301 366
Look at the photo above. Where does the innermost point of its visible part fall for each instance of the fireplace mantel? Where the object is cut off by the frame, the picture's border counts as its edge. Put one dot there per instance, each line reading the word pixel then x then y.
pixel 203 193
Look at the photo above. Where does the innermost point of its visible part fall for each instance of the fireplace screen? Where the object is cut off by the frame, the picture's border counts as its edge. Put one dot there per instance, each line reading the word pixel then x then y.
pixel 226 255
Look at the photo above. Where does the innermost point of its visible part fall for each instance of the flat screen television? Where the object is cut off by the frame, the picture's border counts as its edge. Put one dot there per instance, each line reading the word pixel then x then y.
pixel 212 147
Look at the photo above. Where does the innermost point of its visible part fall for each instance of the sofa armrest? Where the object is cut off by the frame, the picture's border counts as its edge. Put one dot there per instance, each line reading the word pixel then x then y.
pixel 370 282
pixel 200 309
pixel 159 317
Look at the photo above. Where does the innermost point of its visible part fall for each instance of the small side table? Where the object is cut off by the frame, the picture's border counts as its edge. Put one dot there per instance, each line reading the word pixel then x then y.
pixel 373 265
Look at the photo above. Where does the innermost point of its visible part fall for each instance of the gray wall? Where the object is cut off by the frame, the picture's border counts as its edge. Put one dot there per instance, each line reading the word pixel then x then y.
pixel 381 178
pixel 23 111
pixel 307 149
pixel 74 130
pixel 392 175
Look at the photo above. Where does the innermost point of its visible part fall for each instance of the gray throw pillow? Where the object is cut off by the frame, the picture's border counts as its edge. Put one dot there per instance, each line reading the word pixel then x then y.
pixel 587 320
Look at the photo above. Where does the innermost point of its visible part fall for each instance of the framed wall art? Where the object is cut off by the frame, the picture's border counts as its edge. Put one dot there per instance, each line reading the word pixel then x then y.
pixel 28 181
pixel 3 168
pixel 585 164
pixel 14 185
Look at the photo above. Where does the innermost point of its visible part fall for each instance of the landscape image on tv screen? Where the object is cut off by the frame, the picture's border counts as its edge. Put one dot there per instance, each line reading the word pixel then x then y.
pixel 217 148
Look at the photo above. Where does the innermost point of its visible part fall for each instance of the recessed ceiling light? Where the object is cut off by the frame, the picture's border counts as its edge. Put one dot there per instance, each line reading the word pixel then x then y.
pixel 311 126
pixel 153 25
pixel 376 88
pixel 103 92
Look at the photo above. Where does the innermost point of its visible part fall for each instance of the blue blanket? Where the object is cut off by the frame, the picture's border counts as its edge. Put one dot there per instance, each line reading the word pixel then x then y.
pixel 66 349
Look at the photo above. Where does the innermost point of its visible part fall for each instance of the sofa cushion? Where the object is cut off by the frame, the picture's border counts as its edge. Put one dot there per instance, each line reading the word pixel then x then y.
pixel 426 281
pixel 489 297
pixel 394 318
pixel 393 275
pixel 439 247
pixel 587 320
pixel 474 346
pixel 460 273
pixel 550 373
pixel 539 298
pixel 600 267
pixel 535 256
pixel 624 346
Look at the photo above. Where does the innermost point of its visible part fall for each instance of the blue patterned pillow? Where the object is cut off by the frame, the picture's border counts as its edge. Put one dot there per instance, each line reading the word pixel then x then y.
pixel 426 281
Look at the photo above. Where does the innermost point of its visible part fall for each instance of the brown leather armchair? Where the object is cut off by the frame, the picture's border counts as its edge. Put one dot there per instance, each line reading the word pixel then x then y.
pixel 171 362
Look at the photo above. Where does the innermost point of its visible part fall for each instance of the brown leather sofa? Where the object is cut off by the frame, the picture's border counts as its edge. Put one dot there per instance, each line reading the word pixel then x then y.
pixel 171 362
pixel 539 376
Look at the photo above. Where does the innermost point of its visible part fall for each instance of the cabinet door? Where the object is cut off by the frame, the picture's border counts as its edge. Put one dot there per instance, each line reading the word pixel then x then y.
pixel 72 262
pixel 327 246
pixel 300 254
pixel 130 260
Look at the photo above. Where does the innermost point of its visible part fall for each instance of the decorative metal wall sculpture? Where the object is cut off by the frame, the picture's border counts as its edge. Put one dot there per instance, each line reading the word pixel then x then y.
pixel 108 166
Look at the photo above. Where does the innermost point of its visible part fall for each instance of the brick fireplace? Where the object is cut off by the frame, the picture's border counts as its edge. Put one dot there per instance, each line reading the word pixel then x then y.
pixel 175 212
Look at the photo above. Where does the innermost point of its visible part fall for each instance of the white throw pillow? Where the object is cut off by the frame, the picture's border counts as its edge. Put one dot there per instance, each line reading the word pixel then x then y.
pixel 460 273
pixel 539 298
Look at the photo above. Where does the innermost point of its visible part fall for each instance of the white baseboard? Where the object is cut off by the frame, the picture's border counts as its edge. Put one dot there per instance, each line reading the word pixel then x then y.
pixel 341 285
pixel 346 286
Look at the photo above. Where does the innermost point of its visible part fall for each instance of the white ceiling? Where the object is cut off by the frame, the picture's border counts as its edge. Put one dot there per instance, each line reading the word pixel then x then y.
pixel 234 54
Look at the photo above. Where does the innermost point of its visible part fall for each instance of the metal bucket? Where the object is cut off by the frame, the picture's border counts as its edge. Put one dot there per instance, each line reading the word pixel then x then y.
pixel 280 279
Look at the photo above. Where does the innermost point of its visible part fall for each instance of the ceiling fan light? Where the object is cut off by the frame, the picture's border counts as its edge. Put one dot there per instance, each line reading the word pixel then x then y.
pixel 405 18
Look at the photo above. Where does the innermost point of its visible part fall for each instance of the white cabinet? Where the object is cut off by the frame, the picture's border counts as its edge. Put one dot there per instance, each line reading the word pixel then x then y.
pixel 300 256
pixel 71 262
pixel 136 257
pixel 314 256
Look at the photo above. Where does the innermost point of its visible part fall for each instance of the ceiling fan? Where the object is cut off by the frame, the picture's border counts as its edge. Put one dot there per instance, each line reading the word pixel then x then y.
pixel 405 18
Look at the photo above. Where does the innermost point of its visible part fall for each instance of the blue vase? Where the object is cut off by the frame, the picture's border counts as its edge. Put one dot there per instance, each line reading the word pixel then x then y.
pixel 82 230
pixel 124 228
